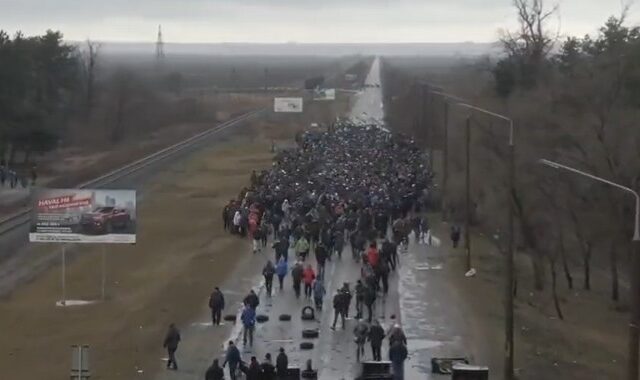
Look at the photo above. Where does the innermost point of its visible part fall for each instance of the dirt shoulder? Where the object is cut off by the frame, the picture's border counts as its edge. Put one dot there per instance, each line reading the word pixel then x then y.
pixel 590 342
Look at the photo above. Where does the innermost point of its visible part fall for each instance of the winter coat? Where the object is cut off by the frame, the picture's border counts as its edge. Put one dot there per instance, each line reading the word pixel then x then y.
pixel 360 331
pixel 248 317
pixel 216 301
pixel 282 363
pixel 376 335
pixel 296 272
pixel 214 373
pixel 302 245
pixel 268 371
pixel 254 372
pixel 318 290
pixel 308 275
pixel 252 300
pixel 373 256
pixel 321 255
pixel 269 270
pixel 282 268
pixel 172 339
pixel 398 353
pixel 232 357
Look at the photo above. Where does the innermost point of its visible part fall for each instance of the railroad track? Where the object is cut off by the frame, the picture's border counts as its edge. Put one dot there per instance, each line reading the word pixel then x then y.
pixel 23 217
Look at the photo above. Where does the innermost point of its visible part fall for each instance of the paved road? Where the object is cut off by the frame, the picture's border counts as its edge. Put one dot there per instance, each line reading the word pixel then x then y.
pixel 419 299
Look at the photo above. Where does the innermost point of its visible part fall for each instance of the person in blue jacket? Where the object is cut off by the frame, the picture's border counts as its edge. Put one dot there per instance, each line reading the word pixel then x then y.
pixel 281 270
pixel 248 318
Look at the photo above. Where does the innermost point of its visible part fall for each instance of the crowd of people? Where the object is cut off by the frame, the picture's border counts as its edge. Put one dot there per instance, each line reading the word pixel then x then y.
pixel 360 187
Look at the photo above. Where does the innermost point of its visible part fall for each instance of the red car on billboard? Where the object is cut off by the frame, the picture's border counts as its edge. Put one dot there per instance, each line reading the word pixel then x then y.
pixel 105 219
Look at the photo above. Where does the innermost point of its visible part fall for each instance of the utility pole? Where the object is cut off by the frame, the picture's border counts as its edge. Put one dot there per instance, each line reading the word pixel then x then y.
pixel 445 168
pixel 467 235
pixel 266 79
pixel 510 280
pixel 159 46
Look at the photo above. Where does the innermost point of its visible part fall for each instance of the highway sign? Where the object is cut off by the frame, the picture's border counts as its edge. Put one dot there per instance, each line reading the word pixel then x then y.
pixel 287 105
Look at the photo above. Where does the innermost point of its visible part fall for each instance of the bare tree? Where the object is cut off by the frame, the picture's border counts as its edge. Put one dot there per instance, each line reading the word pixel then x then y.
pixel 90 61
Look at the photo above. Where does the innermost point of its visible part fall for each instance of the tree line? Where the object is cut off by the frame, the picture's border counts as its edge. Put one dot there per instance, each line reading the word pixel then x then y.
pixel 39 77
pixel 574 100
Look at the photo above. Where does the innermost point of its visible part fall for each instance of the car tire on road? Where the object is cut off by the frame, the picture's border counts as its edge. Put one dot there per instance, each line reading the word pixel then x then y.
pixel 306 346
pixel 261 318
pixel 310 334
pixel 230 318
pixel 285 317
pixel 308 314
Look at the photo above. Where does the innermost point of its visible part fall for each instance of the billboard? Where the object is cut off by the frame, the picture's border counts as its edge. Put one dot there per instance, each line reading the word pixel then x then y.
pixel 287 104
pixel 83 216
pixel 325 94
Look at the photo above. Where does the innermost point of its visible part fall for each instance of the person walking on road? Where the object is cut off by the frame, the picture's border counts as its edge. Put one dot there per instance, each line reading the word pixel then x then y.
pixel 267 370
pixel 171 341
pixel 389 253
pixel 339 303
pixel 397 355
pixel 253 371
pixel 281 248
pixel 282 365
pixel 396 335
pixel 382 275
pixel 455 235
pixel 268 271
pixel 308 276
pixel 281 270
pixel 252 300
pixel 233 358
pixel 347 298
pixel 360 333
pixel 376 336
pixel 369 301
pixel 302 248
pixel 248 318
pixel 216 304
pixel 321 258
pixel 296 275
pixel 214 372
pixel 318 293
pixel 360 292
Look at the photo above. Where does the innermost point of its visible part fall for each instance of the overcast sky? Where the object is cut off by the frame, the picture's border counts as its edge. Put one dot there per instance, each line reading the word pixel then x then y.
pixel 289 20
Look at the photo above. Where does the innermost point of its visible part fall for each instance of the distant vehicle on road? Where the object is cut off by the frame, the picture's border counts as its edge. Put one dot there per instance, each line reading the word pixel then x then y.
pixel 104 220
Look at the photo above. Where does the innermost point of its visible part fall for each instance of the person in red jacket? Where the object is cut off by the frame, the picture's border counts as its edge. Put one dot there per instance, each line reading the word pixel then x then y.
pixel 373 256
pixel 308 276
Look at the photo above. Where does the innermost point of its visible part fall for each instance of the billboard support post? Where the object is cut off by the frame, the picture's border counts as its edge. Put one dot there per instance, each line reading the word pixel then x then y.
pixel 64 275
pixel 104 272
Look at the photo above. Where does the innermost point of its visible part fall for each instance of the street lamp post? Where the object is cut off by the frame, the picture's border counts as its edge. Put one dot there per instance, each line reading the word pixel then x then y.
pixel 445 148
pixel 634 336
pixel 509 281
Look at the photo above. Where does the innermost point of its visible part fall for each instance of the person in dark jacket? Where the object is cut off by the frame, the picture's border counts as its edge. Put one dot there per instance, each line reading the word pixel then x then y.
pixel 252 300
pixel 369 300
pixel 281 248
pixel 214 372
pixel 233 358
pixel 360 292
pixel 376 336
pixel 216 304
pixel 388 253
pixel 282 365
pixel 268 271
pixel 267 369
pixel 397 355
pixel 321 258
pixel 455 235
pixel 171 344
pixel 253 371
pixel 296 275
pixel 339 303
